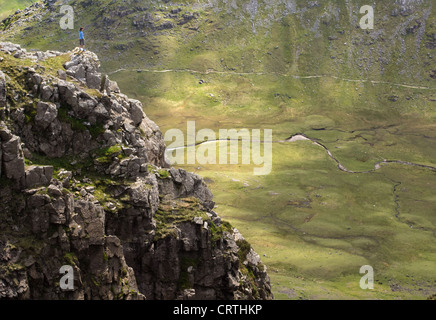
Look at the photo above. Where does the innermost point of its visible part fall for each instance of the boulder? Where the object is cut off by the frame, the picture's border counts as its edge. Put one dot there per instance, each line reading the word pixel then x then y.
pixel 67 92
pixel 136 112
pixel 46 112
pixel 77 72
pixel 253 259
pixel 36 79
pixel 62 74
pixel 9 47
pixel 12 156
pixel 101 112
pixel 113 86
pixel 184 185
pixel 93 80
pixel 46 92
pixel 37 176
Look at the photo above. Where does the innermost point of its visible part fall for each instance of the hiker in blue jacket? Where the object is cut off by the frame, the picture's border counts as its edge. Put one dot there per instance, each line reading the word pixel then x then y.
pixel 81 39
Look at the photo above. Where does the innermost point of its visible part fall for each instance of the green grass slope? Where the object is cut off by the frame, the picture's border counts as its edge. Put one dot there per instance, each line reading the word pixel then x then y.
pixel 295 67
pixel 274 36
pixel 8 7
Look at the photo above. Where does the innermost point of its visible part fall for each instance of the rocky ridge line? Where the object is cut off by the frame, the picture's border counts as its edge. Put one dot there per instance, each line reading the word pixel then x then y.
pixel 85 183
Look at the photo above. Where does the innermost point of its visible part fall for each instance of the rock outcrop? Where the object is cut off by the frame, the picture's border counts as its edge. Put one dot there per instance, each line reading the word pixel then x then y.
pixel 84 183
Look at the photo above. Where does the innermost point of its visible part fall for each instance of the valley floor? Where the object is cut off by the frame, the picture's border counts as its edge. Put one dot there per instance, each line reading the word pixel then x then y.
pixel 355 190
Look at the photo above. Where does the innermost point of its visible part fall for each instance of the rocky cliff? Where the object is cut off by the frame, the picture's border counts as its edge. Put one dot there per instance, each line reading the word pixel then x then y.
pixel 84 183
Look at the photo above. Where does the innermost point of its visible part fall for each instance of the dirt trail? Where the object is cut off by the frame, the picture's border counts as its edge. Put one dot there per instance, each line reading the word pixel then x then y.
pixel 303 137
pixel 340 166
pixel 377 166
pixel 273 73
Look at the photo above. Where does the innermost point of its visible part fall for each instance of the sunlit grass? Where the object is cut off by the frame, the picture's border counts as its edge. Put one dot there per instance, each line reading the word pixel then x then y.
pixel 314 225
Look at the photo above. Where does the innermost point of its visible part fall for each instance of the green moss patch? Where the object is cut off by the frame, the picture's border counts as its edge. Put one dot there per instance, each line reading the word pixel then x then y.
pixel 107 155
pixel 171 213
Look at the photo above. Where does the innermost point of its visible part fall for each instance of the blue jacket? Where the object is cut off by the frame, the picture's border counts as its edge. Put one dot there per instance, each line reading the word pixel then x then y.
pixel 81 37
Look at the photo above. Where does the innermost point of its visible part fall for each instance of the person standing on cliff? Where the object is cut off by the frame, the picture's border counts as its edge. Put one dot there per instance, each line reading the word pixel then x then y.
pixel 81 39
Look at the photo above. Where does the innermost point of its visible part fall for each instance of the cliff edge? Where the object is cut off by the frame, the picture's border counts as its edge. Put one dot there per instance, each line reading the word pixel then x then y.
pixel 84 183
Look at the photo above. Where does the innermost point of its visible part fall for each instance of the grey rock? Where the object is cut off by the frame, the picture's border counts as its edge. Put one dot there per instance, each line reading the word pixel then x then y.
pixel 46 93
pixel 93 80
pixel 113 87
pixel 54 191
pixel 186 185
pixel 12 158
pixel 67 92
pixel 37 79
pixel 2 90
pixel 65 177
pixel 198 220
pixel 136 112
pixel 36 176
pixel 77 72
pixel 9 46
pixel 62 74
pixel 121 246
pixel 45 114
pixel 253 258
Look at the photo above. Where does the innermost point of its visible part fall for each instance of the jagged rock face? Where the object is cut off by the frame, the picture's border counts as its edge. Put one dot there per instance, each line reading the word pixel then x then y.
pixel 2 90
pixel 113 119
pixel 12 158
pixel 136 229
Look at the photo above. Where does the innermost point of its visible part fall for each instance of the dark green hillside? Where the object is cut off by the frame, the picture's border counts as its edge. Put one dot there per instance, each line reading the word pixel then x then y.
pixel 275 36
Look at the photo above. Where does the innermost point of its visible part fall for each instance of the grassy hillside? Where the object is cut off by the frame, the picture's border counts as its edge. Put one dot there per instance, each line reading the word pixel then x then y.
pixel 293 66
pixel 274 36
pixel 8 7
pixel 315 225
